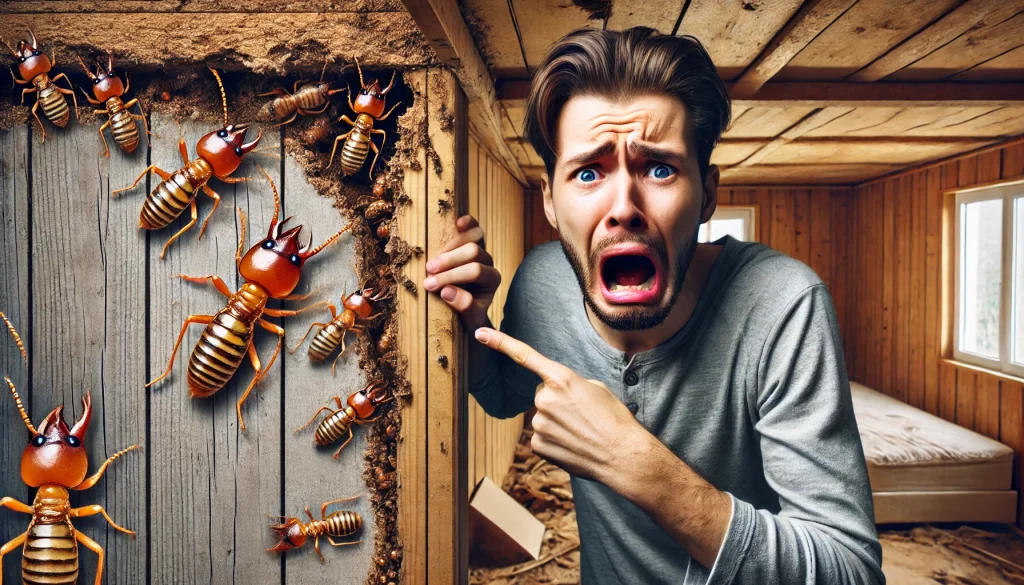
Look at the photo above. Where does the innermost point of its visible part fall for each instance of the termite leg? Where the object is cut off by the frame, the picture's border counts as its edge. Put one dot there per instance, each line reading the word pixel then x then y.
pixel 13 544
pixel 182 146
pixel 323 509
pixel 97 509
pixel 323 109
pixel 203 319
pixel 277 91
pixel 338 452
pixel 106 149
pixel 304 296
pixel 241 236
pixel 376 152
pixel 260 372
pixel 288 121
pixel 340 353
pixel 368 420
pixel 89 482
pixel 24 91
pixel 217 282
pixel 141 117
pixel 233 180
pixel 385 116
pixel 15 505
pixel 329 539
pixel 96 548
pixel 35 108
pixel 70 92
pixel 333 150
pixel 305 426
pixel 216 203
pixel 303 340
pixel 292 313
pixel 164 175
pixel 192 222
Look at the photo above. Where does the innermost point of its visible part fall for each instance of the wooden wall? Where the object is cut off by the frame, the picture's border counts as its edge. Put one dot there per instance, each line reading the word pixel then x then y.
pixel 496 200
pixel 899 334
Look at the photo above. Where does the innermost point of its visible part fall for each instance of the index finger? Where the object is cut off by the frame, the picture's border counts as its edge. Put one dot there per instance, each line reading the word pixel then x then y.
pixel 551 372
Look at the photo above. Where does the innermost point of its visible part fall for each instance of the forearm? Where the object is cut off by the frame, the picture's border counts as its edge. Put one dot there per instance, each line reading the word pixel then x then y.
pixel 489 374
pixel 688 508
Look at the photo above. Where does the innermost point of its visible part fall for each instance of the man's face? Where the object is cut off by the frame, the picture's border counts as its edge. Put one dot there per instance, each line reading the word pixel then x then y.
pixel 627 199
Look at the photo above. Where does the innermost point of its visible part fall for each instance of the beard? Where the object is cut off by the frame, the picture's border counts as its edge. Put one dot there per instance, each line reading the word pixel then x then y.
pixel 633 317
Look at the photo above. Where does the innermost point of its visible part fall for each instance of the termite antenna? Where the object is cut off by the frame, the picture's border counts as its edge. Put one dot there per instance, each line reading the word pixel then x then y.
pixel 223 96
pixel 17 338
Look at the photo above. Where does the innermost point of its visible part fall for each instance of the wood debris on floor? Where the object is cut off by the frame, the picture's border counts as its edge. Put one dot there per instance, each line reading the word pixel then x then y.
pixel 922 555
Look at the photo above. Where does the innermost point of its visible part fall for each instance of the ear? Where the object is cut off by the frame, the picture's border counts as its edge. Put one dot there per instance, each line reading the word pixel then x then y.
pixel 549 206
pixel 710 193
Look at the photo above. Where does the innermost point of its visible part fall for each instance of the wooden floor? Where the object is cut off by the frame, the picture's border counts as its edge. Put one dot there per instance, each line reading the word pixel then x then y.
pixel 99 312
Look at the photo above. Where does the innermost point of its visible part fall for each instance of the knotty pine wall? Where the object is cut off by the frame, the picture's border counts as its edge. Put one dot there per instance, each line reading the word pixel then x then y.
pixel 496 200
pixel 899 334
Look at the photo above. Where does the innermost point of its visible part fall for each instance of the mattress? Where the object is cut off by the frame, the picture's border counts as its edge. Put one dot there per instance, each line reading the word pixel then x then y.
pixel 909 450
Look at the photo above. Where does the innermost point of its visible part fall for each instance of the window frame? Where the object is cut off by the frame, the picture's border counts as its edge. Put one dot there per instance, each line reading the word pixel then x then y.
pixel 729 209
pixel 1007 193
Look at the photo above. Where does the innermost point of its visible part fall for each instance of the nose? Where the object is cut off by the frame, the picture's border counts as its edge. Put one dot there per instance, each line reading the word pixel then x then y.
pixel 626 211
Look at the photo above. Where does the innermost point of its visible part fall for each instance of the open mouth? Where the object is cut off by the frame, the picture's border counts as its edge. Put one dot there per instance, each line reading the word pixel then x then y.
pixel 629 275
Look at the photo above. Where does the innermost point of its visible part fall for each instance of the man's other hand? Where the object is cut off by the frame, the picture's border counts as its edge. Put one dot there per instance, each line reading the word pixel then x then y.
pixel 464 274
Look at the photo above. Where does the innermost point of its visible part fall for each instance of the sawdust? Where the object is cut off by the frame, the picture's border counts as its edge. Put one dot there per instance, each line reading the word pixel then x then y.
pixel 921 555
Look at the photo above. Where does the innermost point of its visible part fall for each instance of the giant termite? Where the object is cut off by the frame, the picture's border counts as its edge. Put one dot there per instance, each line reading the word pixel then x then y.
pixel 108 90
pixel 55 461
pixel 219 154
pixel 34 67
pixel 355 313
pixel 271 270
pixel 293 532
pixel 310 99
pixel 369 106
pixel 360 409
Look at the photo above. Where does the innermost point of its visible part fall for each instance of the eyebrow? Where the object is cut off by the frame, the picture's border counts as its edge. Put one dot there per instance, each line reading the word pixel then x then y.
pixel 648 150
pixel 584 157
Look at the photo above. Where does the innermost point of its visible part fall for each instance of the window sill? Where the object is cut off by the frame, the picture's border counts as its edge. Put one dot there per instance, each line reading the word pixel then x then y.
pixel 994 373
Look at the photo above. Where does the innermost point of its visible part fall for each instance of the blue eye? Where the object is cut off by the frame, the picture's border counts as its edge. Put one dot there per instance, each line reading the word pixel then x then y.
pixel 661 171
pixel 587 175
pixel 39 441
pixel 268 245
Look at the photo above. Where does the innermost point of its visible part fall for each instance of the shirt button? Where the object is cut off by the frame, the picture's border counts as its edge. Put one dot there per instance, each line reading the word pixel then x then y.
pixel 633 407
pixel 632 379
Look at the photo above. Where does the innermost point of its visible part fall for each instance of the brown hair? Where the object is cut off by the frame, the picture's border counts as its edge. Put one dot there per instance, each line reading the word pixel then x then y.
pixel 619 64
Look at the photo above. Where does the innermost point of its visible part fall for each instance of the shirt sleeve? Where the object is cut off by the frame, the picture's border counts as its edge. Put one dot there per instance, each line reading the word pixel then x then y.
pixel 824 531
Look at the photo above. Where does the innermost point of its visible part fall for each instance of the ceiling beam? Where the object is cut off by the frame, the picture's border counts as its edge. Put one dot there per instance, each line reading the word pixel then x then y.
pixel 822 94
pixel 812 18
pixel 447 33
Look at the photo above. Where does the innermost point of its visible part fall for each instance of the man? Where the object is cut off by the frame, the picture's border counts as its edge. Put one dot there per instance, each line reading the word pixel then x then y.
pixel 696 392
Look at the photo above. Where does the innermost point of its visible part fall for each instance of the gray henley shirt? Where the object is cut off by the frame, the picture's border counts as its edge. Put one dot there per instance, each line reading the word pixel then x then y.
pixel 752 393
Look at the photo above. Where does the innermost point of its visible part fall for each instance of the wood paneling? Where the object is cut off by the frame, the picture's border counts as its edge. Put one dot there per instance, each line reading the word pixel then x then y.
pixel 899 329
pixel 500 205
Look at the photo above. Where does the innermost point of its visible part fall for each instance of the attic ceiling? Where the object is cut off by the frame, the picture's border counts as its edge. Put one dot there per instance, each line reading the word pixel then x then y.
pixel 919 80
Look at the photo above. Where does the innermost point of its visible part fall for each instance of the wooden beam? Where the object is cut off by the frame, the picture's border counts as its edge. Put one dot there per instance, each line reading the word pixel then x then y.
pixel 949 27
pixel 815 120
pixel 812 18
pixel 446 31
pixel 882 94
pixel 816 94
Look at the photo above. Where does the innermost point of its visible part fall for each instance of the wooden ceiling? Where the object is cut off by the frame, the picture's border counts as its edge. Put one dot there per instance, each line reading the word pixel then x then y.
pixel 825 91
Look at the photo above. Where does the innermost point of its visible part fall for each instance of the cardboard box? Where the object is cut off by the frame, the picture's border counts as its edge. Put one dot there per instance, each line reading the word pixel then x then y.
pixel 501 531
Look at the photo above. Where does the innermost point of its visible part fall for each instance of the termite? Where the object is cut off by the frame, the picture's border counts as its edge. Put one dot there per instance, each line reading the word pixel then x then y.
pixel 355 313
pixel 360 409
pixel 34 67
pixel 108 90
pixel 340 523
pixel 271 269
pixel 219 154
pixel 55 461
pixel 369 106
pixel 309 100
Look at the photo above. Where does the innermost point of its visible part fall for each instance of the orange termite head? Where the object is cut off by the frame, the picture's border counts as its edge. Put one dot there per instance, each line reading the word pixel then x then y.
pixel 378 186
pixel 359 303
pixel 55 455
pixel 370 100
pixel 31 61
pixel 366 400
pixel 276 262
pixel 292 534
pixel 105 84
pixel 224 148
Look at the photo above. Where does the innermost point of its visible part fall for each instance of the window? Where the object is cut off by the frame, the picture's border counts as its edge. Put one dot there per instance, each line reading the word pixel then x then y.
pixel 738 221
pixel 989 272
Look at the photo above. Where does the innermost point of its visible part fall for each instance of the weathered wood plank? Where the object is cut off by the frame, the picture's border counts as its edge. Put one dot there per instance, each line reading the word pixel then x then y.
pixel 308 386
pixel 15 270
pixel 901 199
pixel 933 250
pixel 918 290
pixel 888 253
pixel 411 308
pixel 446 395
pixel 661 15
pixel 88 289
pixel 211 483
pixel 996 34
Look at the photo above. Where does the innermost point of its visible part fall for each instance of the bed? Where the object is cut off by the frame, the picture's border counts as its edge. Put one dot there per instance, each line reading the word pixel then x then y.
pixel 925 469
